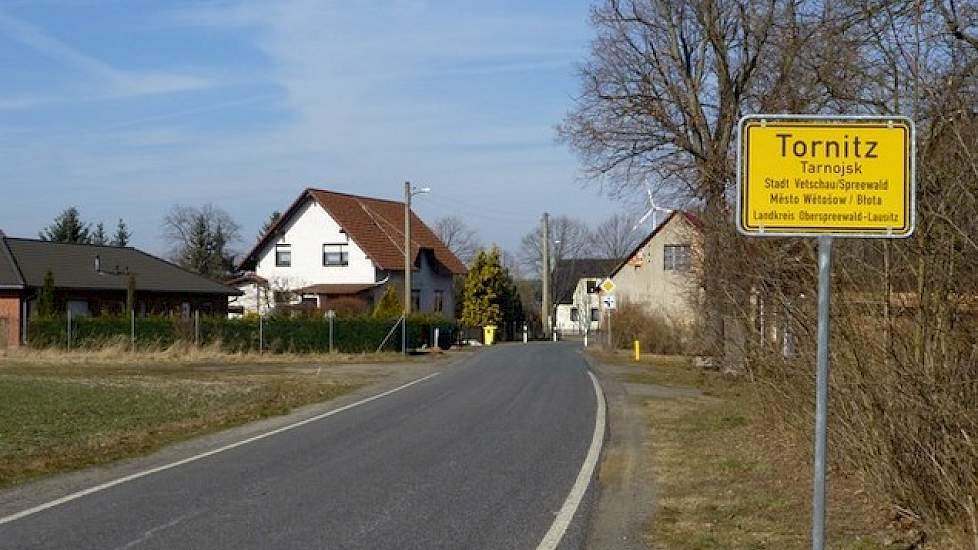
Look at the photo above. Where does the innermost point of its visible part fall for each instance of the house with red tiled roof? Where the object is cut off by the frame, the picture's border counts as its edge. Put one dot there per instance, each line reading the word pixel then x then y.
pixel 330 247
pixel 660 273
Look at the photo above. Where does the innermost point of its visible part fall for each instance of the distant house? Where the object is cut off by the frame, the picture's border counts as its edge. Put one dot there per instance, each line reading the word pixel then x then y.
pixel 577 304
pixel 659 274
pixel 333 247
pixel 94 280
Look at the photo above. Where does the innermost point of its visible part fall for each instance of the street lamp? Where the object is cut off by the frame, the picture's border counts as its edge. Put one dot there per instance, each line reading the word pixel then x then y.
pixel 409 192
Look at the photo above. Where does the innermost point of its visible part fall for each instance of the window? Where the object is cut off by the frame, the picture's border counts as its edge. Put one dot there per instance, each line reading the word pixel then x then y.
pixel 594 315
pixel 283 255
pixel 676 257
pixel 439 301
pixel 415 300
pixel 592 287
pixel 79 308
pixel 335 255
pixel 575 315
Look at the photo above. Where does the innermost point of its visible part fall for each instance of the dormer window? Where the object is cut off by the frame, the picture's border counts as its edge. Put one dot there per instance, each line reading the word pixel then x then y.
pixel 283 255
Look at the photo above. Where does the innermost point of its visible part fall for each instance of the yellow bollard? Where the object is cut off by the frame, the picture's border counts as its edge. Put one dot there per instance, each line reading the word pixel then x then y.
pixel 638 353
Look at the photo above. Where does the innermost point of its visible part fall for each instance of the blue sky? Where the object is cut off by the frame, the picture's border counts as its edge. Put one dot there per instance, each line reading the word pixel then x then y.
pixel 125 108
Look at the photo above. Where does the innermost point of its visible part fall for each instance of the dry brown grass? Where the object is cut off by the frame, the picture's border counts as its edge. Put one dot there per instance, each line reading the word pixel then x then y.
pixel 903 419
pixel 183 354
pixel 730 474
pixel 725 479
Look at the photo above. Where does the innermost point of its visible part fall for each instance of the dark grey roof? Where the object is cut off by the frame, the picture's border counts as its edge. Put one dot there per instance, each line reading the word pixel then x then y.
pixel 571 270
pixel 73 266
pixel 9 274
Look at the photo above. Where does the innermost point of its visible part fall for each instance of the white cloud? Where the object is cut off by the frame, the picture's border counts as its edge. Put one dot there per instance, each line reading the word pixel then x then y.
pixel 25 102
pixel 113 82
pixel 362 96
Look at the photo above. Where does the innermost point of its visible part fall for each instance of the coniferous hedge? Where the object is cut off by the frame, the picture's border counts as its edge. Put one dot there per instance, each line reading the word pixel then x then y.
pixel 280 334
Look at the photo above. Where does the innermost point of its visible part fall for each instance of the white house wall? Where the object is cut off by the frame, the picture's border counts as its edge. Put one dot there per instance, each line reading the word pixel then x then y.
pixel 584 302
pixel 307 231
pixel 249 300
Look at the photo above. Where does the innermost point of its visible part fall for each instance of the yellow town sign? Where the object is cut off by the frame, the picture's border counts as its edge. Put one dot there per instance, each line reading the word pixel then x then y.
pixel 810 176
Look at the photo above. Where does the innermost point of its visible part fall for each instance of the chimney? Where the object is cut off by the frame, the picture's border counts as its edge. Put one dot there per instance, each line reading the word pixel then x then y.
pixel 98 264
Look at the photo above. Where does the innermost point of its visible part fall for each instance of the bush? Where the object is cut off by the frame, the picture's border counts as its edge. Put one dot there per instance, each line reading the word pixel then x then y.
pixel 389 306
pixel 280 334
pixel 655 332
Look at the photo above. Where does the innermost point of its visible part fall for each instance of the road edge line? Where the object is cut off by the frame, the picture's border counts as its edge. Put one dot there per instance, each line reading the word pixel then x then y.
pixel 566 514
pixel 131 477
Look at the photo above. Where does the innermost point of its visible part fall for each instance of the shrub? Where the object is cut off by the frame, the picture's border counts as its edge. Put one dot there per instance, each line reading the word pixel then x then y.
pixel 655 332
pixel 389 306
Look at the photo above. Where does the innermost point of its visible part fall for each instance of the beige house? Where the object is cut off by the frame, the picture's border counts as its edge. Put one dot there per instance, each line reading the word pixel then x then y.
pixel 659 274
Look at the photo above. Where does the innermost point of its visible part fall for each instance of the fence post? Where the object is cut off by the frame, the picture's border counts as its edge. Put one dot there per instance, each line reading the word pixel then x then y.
pixel 197 328
pixel 69 328
pixel 331 315
pixel 261 333
pixel 132 329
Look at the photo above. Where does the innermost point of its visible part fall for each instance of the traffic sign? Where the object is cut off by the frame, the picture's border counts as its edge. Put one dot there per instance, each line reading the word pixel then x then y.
pixel 825 176
pixel 607 285
pixel 610 302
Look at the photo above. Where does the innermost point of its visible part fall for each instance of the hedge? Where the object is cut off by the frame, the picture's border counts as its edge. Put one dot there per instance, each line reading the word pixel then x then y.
pixel 280 334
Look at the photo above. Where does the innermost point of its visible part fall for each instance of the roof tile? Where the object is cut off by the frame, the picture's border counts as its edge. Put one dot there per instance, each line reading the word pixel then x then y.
pixel 376 225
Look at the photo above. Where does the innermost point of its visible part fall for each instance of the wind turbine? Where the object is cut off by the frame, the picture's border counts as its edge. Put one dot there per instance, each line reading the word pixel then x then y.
pixel 653 208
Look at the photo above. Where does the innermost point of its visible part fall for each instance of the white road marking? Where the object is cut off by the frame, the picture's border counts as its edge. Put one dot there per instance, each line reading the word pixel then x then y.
pixel 131 477
pixel 567 511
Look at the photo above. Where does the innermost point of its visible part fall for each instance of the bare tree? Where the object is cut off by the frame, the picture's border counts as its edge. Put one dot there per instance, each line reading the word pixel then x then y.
pixel 616 236
pixel 202 239
pixel 663 90
pixel 570 238
pixel 961 19
pixel 461 239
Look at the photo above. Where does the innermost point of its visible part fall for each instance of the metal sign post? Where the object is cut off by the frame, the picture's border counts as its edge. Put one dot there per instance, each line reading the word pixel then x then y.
pixel 821 390
pixel 610 304
pixel 825 177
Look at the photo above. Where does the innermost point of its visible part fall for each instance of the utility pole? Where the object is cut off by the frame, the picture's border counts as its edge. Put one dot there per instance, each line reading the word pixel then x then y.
pixel 407 265
pixel 408 260
pixel 545 277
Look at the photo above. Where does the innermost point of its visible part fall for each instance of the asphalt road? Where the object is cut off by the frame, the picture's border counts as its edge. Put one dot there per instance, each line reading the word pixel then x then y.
pixel 481 456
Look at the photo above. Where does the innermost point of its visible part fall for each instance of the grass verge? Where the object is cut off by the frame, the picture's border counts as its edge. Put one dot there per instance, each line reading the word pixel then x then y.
pixel 182 354
pixel 729 477
pixel 56 418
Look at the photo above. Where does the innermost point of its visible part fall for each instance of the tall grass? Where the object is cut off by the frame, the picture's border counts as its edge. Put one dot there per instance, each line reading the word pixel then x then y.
pixel 178 353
